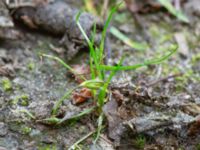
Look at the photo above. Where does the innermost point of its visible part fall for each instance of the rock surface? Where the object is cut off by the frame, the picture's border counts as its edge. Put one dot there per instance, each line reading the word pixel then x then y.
pixel 59 18
pixel 6 23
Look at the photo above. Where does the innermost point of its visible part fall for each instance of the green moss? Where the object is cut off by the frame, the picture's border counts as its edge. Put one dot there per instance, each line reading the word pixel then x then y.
pixel 21 100
pixel 196 58
pixel 20 127
pixel 24 97
pixel 13 101
pixel 182 80
pixel 31 65
pixel 47 147
pixel 7 85
pixel 140 142
pixel 24 100
pixel 26 130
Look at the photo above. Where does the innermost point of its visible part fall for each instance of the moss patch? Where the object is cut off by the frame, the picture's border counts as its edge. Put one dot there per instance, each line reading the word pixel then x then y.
pixel 21 100
pixel 7 85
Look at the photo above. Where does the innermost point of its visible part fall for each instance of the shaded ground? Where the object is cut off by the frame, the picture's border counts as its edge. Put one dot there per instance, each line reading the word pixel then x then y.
pixel 35 85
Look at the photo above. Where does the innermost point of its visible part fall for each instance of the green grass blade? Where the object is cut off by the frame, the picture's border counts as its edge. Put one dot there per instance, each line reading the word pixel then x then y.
pixel 167 4
pixel 101 96
pixel 81 114
pixel 81 29
pixel 94 53
pixel 78 16
pixel 112 74
pixel 94 31
pixel 103 90
pixel 74 146
pixel 83 32
pixel 113 10
pixel 49 121
pixel 28 113
pixel 59 60
pixel 164 57
pixel 60 101
pixel 64 64
pixel 120 68
pixel 100 127
pixel 92 68
pixel 145 63
pixel 127 41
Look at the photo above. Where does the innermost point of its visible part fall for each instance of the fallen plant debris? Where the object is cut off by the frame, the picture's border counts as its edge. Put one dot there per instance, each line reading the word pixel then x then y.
pixel 121 124
pixel 194 127
pixel 81 96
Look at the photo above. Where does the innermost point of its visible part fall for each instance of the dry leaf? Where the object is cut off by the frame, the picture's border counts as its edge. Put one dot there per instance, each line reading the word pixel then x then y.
pixel 81 96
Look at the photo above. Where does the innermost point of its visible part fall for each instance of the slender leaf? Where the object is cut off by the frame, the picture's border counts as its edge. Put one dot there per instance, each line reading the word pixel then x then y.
pixel 94 53
pixel 74 146
pixel 103 90
pixel 145 63
pixel 100 126
pixel 127 41
pixel 113 10
pixel 60 101
pixel 179 14
pixel 63 63
pixel 77 116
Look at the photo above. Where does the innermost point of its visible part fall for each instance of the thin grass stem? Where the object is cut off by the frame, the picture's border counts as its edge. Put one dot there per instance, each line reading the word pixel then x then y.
pixel 63 63
pixel 60 101
pixel 81 140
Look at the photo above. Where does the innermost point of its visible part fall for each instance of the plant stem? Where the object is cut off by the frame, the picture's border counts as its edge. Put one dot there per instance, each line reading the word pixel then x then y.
pixel 81 140
pixel 63 63
pixel 59 102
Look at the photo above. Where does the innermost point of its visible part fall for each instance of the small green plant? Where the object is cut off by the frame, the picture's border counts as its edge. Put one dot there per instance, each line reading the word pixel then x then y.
pixel 31 65
pixel 101 74
pixel 140 142
pixel 47 147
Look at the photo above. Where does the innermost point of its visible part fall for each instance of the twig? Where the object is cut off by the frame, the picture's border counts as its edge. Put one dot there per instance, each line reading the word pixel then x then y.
pixel 106 140
pixel 163 79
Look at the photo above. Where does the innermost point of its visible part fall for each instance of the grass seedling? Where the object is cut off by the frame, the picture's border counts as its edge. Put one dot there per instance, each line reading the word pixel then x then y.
pixel 101 74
